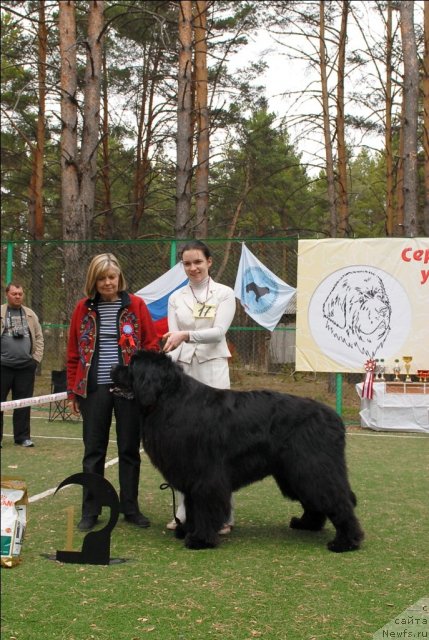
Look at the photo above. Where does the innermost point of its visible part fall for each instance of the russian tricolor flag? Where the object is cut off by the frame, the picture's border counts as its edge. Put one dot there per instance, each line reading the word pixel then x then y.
pixel 156 295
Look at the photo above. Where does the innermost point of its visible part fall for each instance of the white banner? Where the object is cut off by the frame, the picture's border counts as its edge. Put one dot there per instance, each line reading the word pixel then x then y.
pixel 362 299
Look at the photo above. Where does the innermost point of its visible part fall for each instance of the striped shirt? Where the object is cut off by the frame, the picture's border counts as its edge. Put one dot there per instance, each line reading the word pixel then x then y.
pixel 108 340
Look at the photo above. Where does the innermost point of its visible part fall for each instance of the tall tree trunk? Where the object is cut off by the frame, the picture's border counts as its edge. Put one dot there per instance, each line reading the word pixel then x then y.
pixel 327 125
pixel 72 229
pixel 78 174
pixel 426 119
pixel 411 96
pixel 235 217
pixel 145 137
pixel 184 108
pixel 36 218
pixel 388 131
pixel 138 177
pixel 36 221
pixel 201 78
pixel 108 224
pixel 91 113
pixel 343 204
pixel 399 187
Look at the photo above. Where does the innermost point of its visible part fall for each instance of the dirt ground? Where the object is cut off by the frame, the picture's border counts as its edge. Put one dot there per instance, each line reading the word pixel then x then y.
pixel 311 385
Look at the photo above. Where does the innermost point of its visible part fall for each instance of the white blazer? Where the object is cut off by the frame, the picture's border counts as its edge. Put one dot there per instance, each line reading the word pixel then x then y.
pixel 206 335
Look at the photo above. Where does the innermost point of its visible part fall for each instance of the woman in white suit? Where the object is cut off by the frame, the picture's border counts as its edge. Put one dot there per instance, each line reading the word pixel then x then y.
pixel 199 315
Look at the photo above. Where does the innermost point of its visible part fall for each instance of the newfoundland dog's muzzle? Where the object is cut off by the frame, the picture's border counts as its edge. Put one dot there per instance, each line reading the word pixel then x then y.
pixel 210 442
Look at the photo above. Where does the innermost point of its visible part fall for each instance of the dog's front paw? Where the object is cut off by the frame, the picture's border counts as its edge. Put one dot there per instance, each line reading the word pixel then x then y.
pixel 192 542
pixel 338 546
pixel 295 523
pixel 180 532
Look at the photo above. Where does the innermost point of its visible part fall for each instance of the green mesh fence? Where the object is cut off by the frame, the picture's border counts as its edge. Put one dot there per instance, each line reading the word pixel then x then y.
pixel 253 348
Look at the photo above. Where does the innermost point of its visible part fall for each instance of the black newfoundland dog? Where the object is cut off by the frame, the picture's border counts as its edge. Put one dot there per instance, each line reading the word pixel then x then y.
pixel 210 442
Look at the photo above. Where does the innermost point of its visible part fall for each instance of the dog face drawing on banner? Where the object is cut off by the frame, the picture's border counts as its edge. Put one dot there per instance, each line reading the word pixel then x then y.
pixel 358 311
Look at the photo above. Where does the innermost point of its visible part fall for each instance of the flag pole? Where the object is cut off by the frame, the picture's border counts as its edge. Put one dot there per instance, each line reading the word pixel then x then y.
pixel 339 393
pixel 173 254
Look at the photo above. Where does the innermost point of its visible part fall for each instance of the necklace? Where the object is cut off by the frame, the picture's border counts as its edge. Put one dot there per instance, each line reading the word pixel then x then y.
pixel 207 293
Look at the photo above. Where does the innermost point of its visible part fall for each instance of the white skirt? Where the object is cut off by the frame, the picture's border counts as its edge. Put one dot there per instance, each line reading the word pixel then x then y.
pixel 214 372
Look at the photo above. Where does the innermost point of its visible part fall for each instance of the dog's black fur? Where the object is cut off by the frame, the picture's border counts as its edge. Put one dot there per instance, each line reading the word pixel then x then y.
pixel 210 442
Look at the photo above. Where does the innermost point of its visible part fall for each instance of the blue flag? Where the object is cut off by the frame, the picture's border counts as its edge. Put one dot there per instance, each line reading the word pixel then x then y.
pixel 263 295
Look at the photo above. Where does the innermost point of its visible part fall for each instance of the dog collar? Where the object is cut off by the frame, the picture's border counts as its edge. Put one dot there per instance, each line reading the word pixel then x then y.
pixel 122 393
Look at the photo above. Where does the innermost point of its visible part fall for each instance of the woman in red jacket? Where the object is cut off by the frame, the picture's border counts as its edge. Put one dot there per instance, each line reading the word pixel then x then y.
pixel 107 327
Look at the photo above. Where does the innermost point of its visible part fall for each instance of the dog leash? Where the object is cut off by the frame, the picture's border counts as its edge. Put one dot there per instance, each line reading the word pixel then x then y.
pixel 164 486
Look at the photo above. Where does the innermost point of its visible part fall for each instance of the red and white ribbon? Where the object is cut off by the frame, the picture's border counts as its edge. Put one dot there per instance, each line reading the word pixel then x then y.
pixel 127 339
pixel 28 402
pixel 368 383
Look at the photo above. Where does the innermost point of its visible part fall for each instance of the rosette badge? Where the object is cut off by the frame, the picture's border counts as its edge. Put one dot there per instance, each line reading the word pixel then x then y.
pixel 127 336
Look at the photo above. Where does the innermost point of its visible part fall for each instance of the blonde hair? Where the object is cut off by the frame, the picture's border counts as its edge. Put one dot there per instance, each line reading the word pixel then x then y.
pixel 98 266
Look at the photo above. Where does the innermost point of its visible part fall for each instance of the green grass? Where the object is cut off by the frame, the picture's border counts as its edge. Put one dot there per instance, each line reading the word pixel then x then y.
pixel 264 581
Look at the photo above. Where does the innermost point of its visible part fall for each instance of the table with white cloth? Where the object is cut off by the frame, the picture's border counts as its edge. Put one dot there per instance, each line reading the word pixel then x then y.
pixel 396 406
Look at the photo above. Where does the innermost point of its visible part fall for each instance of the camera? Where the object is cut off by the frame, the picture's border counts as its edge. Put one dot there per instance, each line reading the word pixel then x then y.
pixel 18 333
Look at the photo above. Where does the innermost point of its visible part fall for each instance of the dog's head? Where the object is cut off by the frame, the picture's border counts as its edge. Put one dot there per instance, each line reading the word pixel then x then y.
pixel 148 376
pixel 358 311
pixel 122 380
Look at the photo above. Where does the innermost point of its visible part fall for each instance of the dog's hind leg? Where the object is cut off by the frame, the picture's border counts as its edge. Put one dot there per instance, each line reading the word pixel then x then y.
pixel 348 530
pixel 310 520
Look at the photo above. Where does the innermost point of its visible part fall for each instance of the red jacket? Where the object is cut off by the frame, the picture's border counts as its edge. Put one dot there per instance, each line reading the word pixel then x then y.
pixel 135 331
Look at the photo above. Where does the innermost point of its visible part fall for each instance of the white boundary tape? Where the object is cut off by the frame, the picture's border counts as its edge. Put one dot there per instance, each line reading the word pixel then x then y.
pixel 49 492
pixel 28 402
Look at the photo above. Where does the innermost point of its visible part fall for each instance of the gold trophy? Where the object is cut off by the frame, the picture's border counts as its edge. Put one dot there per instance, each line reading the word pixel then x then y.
pixel 407 360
